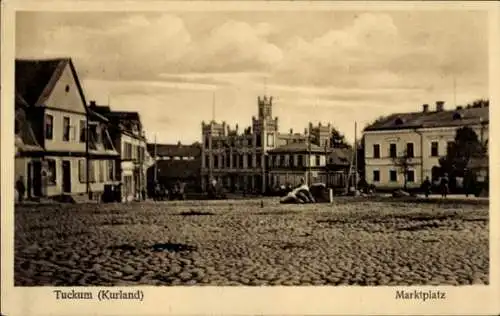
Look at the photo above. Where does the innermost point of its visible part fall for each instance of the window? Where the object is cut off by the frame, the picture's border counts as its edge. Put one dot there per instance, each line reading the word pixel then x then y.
pixel 300 161
pixel 392 151
pixel 207 161
pixel 228 161
pixel 393 176
pixel 128 151
pixel 101 170
pixel 449 146
pixel 216 162
pixel 235 161
pixel 82 176
pixel 434 149
pixel 92 170
pixel 270 140
pixel 49 126
pixel 82 131
pixel 51 171
pixel 258 141
pixel 207 142
pixel 376 151
pixel 66 128
pixel 241 164
pixel 410 176
pixel 111 169
pixel 249 161
pixel 376 176
pixel 409 150
pixel 318 160
pixel 258 159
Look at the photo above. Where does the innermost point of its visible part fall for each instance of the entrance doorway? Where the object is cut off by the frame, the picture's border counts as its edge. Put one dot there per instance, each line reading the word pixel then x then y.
pixel 66 176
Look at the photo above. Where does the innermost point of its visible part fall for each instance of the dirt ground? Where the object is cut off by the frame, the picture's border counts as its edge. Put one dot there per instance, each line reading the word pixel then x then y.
pixel 349 242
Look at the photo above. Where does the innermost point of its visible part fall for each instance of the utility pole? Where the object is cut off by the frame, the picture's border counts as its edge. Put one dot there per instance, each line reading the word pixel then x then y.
pixel 355 155
pixel 455 91
pixel 156 162
pixel 213 107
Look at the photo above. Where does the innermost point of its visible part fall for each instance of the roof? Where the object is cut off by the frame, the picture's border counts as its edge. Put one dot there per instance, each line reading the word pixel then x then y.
pixel 122 119
pixel 457 117
pixel 172 150
pixel 298 148
pixel 36 78
pixel 25 139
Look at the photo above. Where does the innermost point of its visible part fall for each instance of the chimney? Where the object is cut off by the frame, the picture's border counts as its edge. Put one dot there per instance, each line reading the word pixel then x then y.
pixel 439 106
pixel 425 108
pixel 291 131
pixel 179 143
pixel 93 104
pixel 459 107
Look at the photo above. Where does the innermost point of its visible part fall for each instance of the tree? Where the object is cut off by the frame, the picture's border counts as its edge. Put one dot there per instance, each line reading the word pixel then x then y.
pixel 404 163
pixel 337 140
pixel 465 146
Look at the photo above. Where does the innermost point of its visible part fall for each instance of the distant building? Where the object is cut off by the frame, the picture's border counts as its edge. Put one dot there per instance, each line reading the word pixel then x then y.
pixel 175 163
pixel 424 135
pixel 238 159
pixel 54 153
pixel 128 137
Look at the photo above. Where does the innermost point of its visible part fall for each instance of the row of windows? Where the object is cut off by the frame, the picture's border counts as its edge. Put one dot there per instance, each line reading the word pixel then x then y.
pixel 238 161
pixel 176 158
pixel 410 151
pixel 243 142
pixel 132 151
pixel 105 167
pixel 275 161
pixel 393 176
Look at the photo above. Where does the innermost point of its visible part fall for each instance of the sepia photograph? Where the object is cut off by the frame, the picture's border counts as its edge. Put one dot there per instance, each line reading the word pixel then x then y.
pixel 250 148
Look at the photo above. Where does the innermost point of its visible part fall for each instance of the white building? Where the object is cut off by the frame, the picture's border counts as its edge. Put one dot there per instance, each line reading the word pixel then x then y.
pixel 424 135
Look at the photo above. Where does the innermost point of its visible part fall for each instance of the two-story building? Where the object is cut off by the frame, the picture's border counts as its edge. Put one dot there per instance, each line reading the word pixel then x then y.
pixel 128 138
pixel 175 163
pixel 422 137
pixel 55 106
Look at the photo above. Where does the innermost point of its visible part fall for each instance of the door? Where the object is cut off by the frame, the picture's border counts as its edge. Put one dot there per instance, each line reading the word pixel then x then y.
pixel 36 176
pixel 66 176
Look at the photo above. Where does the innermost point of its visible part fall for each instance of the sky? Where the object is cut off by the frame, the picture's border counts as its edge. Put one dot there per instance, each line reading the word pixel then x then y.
pixel 334 67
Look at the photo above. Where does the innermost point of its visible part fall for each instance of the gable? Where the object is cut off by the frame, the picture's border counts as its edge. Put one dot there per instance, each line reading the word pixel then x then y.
pixel 66 94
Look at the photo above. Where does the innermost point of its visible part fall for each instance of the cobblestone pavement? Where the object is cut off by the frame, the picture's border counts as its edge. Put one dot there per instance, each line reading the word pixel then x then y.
pixel 350 242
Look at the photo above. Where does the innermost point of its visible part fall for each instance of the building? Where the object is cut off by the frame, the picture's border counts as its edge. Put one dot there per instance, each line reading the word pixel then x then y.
pixel 55 156
pixel 291 163
pixel 241 161
pixel 423 136
pixel 175 163
pixel 128 137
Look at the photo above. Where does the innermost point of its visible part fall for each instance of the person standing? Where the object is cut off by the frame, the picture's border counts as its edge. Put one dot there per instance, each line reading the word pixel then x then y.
pixel 444 185
pixel 426 187
pixel 21 189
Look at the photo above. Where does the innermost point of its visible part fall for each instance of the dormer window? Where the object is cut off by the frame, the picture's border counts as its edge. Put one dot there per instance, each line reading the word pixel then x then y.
pixel 398 121
pixel 457 116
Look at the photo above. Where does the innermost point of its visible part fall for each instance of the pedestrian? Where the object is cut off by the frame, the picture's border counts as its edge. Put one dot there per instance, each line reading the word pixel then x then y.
pixel 444 185
pixel 21 189
pixel 426 187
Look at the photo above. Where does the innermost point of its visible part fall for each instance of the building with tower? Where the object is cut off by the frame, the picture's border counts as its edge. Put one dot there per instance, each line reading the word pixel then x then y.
pixel 242 160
